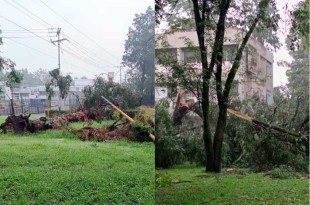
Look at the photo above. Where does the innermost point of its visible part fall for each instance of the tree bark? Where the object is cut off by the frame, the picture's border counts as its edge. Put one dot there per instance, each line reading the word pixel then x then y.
pixel 12 106
pixel 219 137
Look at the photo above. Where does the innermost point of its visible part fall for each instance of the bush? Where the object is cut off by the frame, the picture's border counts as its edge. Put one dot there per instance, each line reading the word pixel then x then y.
pixel 284 172
pixel 116 115
pixel 108 114
pixel 168 146
pixel 169 151
pixel 140 131
pixel 194 148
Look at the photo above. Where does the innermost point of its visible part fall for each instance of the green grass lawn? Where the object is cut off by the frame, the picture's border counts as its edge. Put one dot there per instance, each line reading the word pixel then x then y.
pixel 54 167
pixel 187 184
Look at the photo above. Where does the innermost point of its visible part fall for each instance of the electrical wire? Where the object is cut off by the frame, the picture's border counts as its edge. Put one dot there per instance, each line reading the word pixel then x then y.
pixel 35 35
pixel 86 52
pixel 20 36
pixel 28 14
pixel 39 23
pixel 43 53
pixel 25 29
pixel 82 33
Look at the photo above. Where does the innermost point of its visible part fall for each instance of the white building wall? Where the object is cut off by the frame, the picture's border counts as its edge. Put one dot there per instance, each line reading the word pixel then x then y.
pixel 256 82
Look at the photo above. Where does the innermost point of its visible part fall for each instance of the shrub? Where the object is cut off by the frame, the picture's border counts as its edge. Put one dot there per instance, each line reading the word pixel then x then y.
pixel 108 114
pixel 140 131
pixel 194 148
pixel 284 172
pixel 116 115
pixel 169 151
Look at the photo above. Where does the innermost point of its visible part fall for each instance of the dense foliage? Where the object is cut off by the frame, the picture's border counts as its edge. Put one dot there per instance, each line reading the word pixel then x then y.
pixel 139 55
pixel 119 95
pixel 245 144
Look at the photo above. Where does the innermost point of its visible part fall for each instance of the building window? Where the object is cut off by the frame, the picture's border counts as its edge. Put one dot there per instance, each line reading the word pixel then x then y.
pixel 268 70
pixel 230 52
pixel 251 59
pixel 15 96
pixel 166 55
pixel 191 55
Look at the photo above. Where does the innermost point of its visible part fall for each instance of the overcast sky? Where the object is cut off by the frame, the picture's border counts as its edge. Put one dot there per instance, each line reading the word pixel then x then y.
pixel 103 22
pixel 279 72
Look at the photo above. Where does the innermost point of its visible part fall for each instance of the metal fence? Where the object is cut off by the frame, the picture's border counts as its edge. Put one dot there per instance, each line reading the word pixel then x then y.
pixel 33 106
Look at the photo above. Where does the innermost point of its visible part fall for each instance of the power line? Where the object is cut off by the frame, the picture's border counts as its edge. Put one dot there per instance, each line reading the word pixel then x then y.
pixel 86 52
pixel 38 22
pixel 32 48
pixel 90 58
pixel 43 53
pixel 22 32
pixel 64 60
pixel 20 36
pixel 79 57
pixel 79 46
pixel 28 30
pixel 78 30
pixel 25 29
pixel 32 29
pixel 46 23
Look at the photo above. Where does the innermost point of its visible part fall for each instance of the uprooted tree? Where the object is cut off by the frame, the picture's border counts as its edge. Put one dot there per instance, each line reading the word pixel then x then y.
pixel 211 19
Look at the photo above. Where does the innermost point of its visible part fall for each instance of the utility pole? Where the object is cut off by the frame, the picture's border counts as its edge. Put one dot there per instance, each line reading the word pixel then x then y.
pixel 58 44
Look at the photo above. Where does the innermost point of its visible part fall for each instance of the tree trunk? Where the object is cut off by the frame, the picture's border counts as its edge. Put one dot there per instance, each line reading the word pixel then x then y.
pixel 59 105
pixel 219 137
pixel 12 106
pixel 11 101
pixel 207 136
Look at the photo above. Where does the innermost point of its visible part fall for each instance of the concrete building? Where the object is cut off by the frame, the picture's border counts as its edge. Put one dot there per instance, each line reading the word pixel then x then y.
pixel 255 74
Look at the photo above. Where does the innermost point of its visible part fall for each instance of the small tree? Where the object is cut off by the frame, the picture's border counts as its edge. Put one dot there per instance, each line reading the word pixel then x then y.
pixel 50 92
pixel 12 78
pixel 63 84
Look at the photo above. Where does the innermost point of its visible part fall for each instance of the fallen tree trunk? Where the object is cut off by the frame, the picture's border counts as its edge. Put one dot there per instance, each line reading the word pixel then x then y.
pixel 266 125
